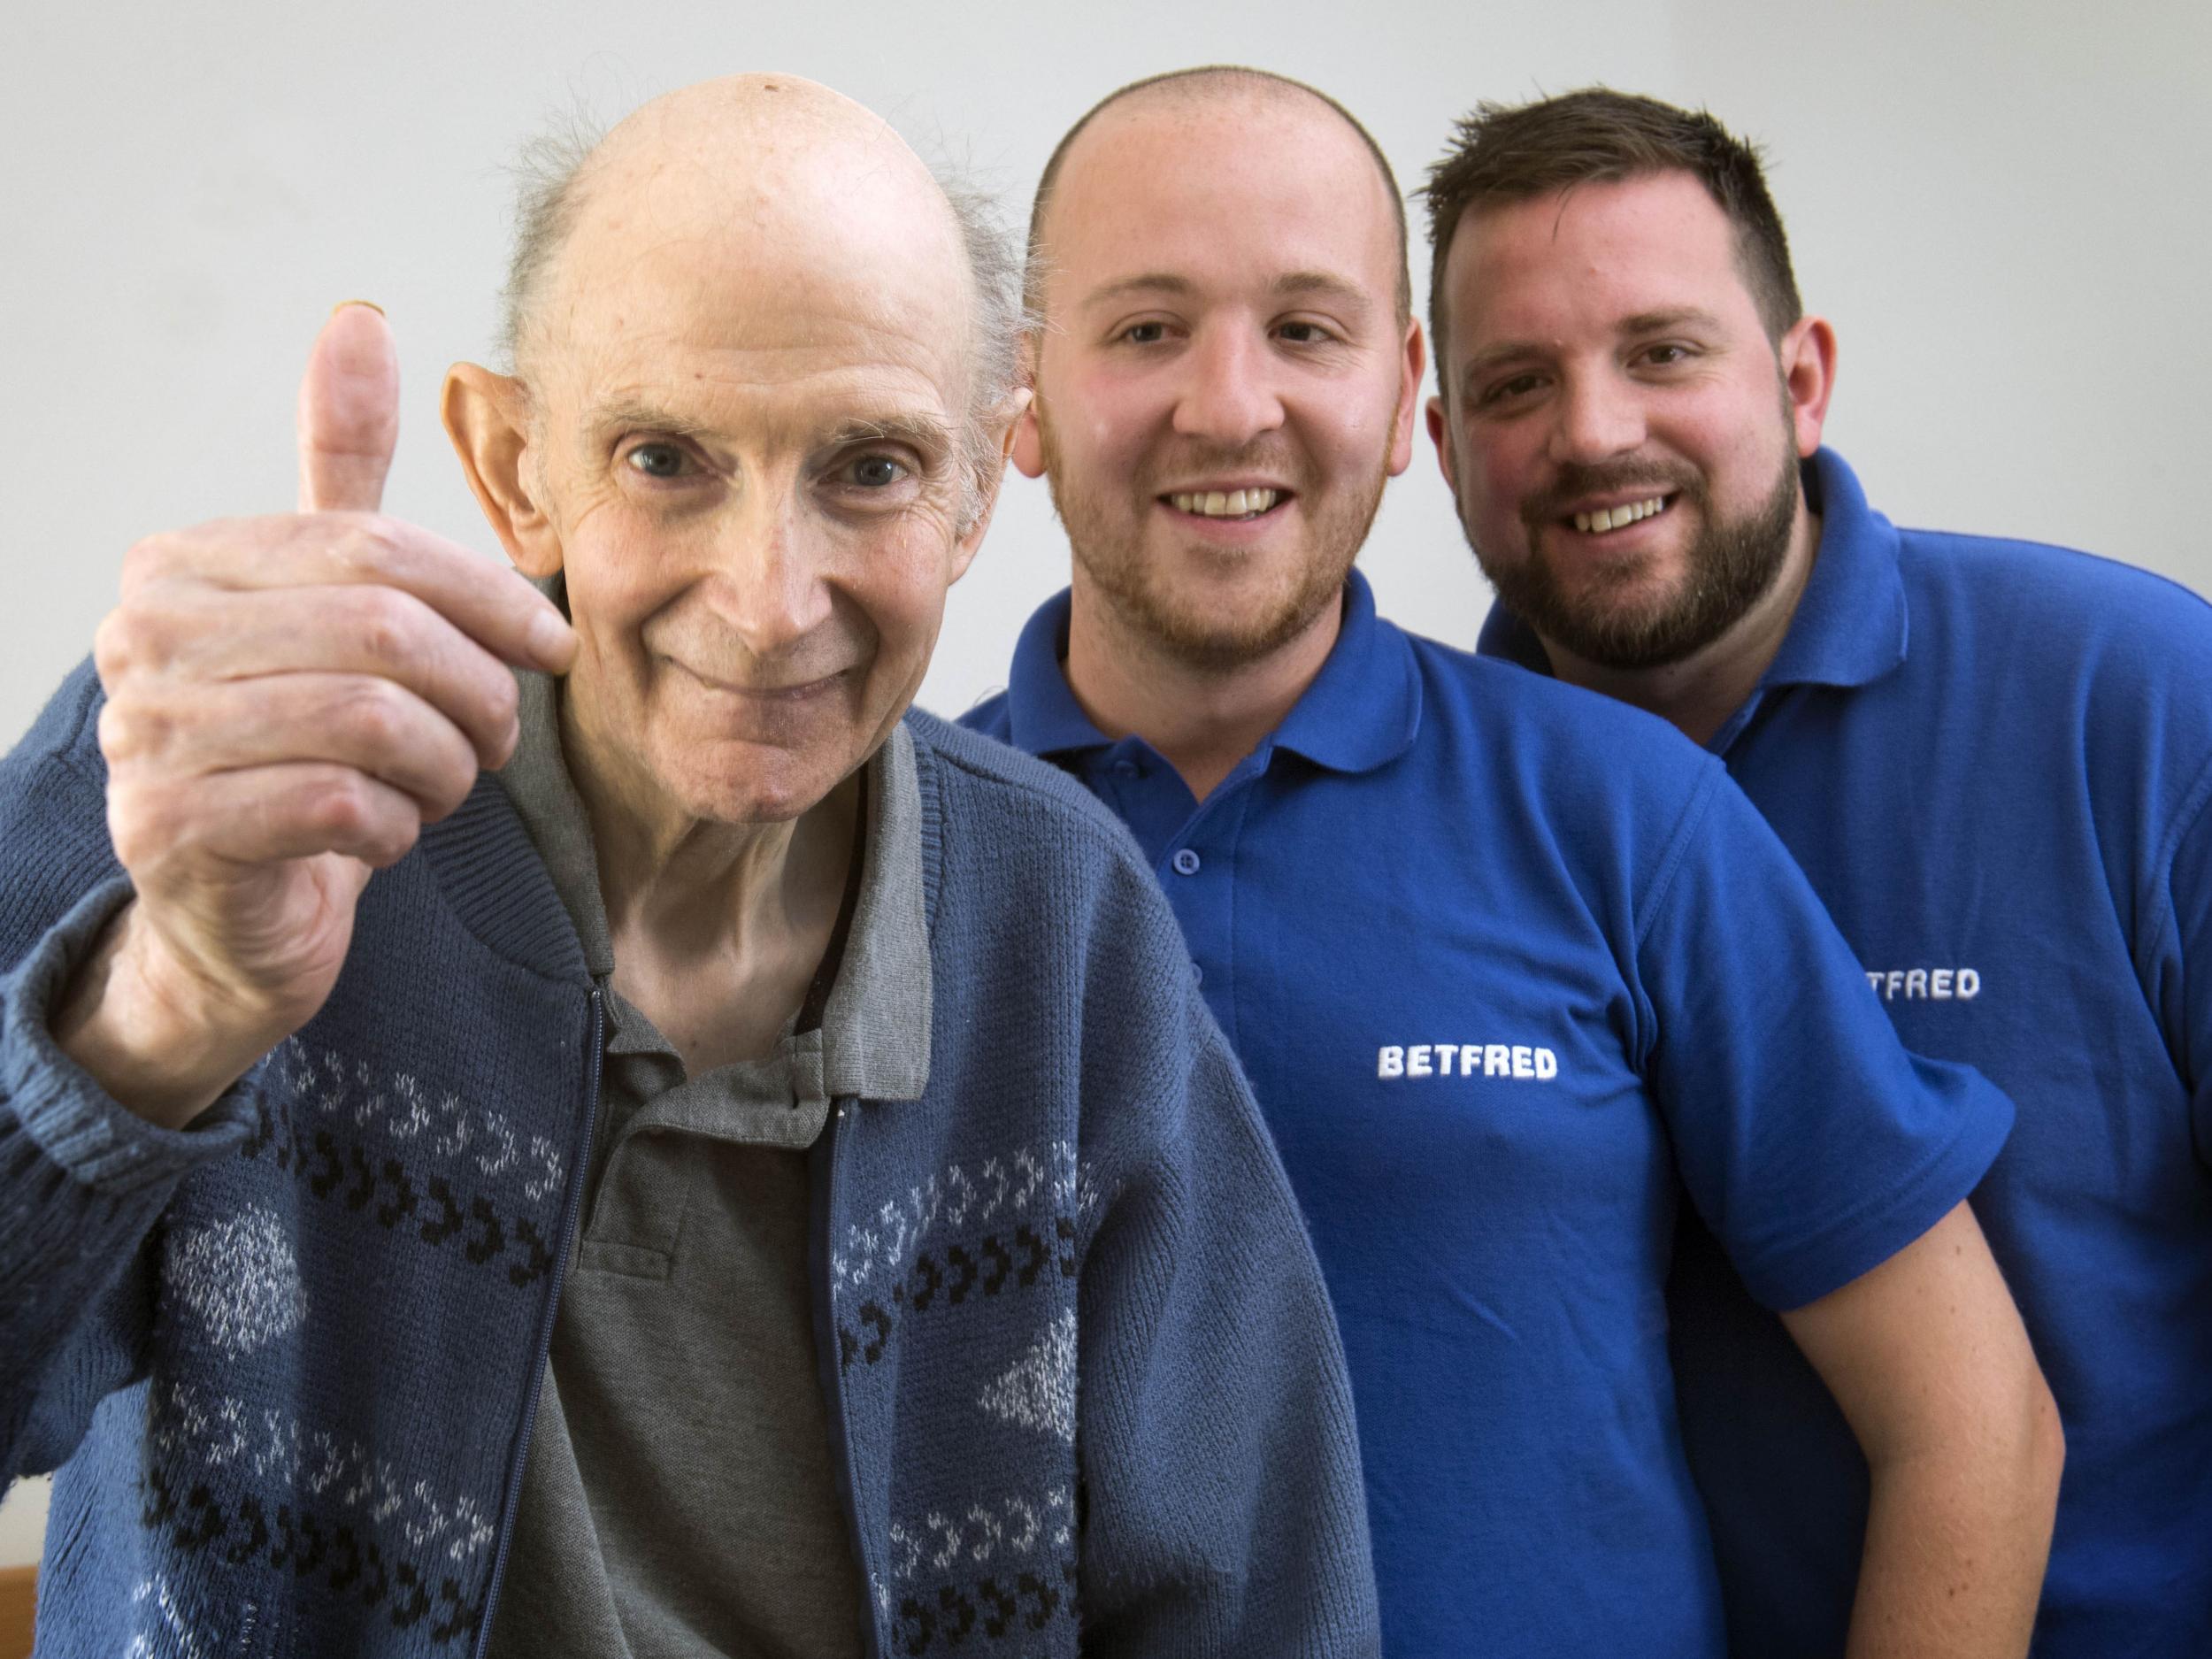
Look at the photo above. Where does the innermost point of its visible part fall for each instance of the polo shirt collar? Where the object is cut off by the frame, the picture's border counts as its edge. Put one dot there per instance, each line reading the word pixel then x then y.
pixel 1362 708
pixel 1851 626
pixel 1042 716
pixel 1505 636
pixel 875 1031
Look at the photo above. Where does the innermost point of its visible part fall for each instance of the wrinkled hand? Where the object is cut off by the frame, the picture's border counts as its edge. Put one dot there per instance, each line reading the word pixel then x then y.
pixel 290 699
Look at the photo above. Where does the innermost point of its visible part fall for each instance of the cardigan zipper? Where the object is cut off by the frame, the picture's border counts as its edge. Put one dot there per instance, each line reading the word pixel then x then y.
pixel 536 1387
pixel 829 1361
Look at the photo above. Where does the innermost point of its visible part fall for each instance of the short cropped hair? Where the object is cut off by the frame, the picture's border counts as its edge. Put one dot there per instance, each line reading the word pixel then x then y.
pixel 1235 75
pixel 546 201
pixel 1595 135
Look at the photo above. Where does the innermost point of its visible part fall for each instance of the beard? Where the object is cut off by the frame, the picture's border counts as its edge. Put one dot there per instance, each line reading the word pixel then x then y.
pixel 1731 565
pixel 1108 544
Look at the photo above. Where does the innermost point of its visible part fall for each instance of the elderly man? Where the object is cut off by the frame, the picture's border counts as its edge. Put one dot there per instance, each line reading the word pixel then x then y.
pixel 1993 760
pixel 758 1177
pixel 1514 970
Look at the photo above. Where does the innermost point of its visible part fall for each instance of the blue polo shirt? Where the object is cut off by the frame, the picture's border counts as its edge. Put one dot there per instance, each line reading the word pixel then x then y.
pixel 1513 968
pixel 1994 761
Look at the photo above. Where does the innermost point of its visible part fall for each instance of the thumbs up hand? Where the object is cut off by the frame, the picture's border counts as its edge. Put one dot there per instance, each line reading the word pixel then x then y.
pixel 289 700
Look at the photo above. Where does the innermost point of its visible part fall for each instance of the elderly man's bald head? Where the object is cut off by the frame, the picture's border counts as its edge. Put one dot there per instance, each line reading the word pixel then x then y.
pixel 781 175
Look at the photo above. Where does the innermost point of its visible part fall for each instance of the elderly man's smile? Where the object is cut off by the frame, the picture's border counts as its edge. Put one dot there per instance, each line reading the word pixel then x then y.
pixel 769 691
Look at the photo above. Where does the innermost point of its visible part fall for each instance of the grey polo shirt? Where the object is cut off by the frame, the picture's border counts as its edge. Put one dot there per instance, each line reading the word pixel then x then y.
pixel 679 1496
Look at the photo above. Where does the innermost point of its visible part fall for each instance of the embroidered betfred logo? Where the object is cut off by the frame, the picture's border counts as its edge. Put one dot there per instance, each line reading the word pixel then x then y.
pixel 1934 985
pixel 1466 1059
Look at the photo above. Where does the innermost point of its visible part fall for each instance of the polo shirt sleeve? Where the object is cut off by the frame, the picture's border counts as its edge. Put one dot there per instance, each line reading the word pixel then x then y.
pixel 1812 1143
pixel 2181 971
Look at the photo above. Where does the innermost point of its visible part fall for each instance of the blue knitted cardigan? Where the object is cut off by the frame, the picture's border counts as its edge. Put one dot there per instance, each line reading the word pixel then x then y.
pixel 1085 1390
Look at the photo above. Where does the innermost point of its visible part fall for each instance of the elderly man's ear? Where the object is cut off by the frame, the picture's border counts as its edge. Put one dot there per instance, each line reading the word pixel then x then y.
pixel 487 416
pixel 1011 414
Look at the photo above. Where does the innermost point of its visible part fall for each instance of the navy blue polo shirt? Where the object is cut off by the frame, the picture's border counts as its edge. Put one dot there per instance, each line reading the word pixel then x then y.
pixel 1512 969
pixel 1994 760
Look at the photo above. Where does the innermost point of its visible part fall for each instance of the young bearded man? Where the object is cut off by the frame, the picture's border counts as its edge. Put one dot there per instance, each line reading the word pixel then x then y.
pixel 1513 969
pixel 1993 760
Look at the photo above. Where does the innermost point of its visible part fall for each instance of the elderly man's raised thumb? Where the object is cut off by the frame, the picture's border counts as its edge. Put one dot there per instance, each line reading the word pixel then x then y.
pixel 349 414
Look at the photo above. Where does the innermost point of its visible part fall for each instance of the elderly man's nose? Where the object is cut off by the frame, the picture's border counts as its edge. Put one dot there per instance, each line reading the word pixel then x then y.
pixel 769 585
pixel 1597 418
pixel 1229 394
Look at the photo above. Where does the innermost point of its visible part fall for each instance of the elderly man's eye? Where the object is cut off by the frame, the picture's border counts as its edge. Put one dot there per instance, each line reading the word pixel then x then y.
pixel 658 460
pixel 875 472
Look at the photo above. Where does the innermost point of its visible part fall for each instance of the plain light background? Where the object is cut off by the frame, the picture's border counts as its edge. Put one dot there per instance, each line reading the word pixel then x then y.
pixel 2000 203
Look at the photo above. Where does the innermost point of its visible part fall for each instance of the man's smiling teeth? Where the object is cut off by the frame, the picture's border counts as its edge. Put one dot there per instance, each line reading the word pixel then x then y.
pixel 1236 503
pixel 1612 519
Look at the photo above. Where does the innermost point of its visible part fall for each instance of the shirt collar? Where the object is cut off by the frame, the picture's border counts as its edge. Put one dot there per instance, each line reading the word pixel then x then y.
pixel 1042 716
pixel 875 1026
pixel 1506 636
pixel 875 1031
pixel 1851 624
pixel 1362 708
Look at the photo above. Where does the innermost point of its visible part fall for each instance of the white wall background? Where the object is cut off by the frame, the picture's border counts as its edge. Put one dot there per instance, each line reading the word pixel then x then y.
pixel 2001 204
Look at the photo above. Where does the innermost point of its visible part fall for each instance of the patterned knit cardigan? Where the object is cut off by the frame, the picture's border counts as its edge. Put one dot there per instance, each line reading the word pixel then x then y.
pixel 1084 1388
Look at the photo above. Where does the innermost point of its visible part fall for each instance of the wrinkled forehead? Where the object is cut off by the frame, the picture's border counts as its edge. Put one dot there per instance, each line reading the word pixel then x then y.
pixel 760 362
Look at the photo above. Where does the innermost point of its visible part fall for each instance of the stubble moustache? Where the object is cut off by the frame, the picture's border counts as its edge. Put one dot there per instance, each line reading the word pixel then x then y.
pixel 1111 552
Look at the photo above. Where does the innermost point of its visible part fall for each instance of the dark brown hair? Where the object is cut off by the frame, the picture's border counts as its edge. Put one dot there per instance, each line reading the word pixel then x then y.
pixel 1236 74
pixel 1511 152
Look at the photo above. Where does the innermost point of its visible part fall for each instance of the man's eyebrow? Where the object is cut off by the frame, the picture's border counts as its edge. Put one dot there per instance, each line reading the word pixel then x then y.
pixel 1674 317
pixel 1146 282
pixel 1290 285
pixel 627 412
pixel 931 434
pixel 1326 285
pixel 925 431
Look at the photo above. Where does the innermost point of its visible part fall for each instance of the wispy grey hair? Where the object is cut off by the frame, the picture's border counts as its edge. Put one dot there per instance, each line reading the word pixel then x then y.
pixel 998 331
pixel 545 172
pixel 546 200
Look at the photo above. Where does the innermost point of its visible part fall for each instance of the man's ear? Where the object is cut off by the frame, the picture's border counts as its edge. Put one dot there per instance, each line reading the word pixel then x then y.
pixel 1416 364
pixel 1808 357
pixel 1025 442
pixel 487 416
pixel 971 540
pixel 1441 435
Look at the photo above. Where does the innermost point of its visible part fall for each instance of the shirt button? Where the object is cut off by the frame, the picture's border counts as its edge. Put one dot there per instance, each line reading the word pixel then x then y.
pixel 1125 768
pixel 1197 974
pixel 1186 862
